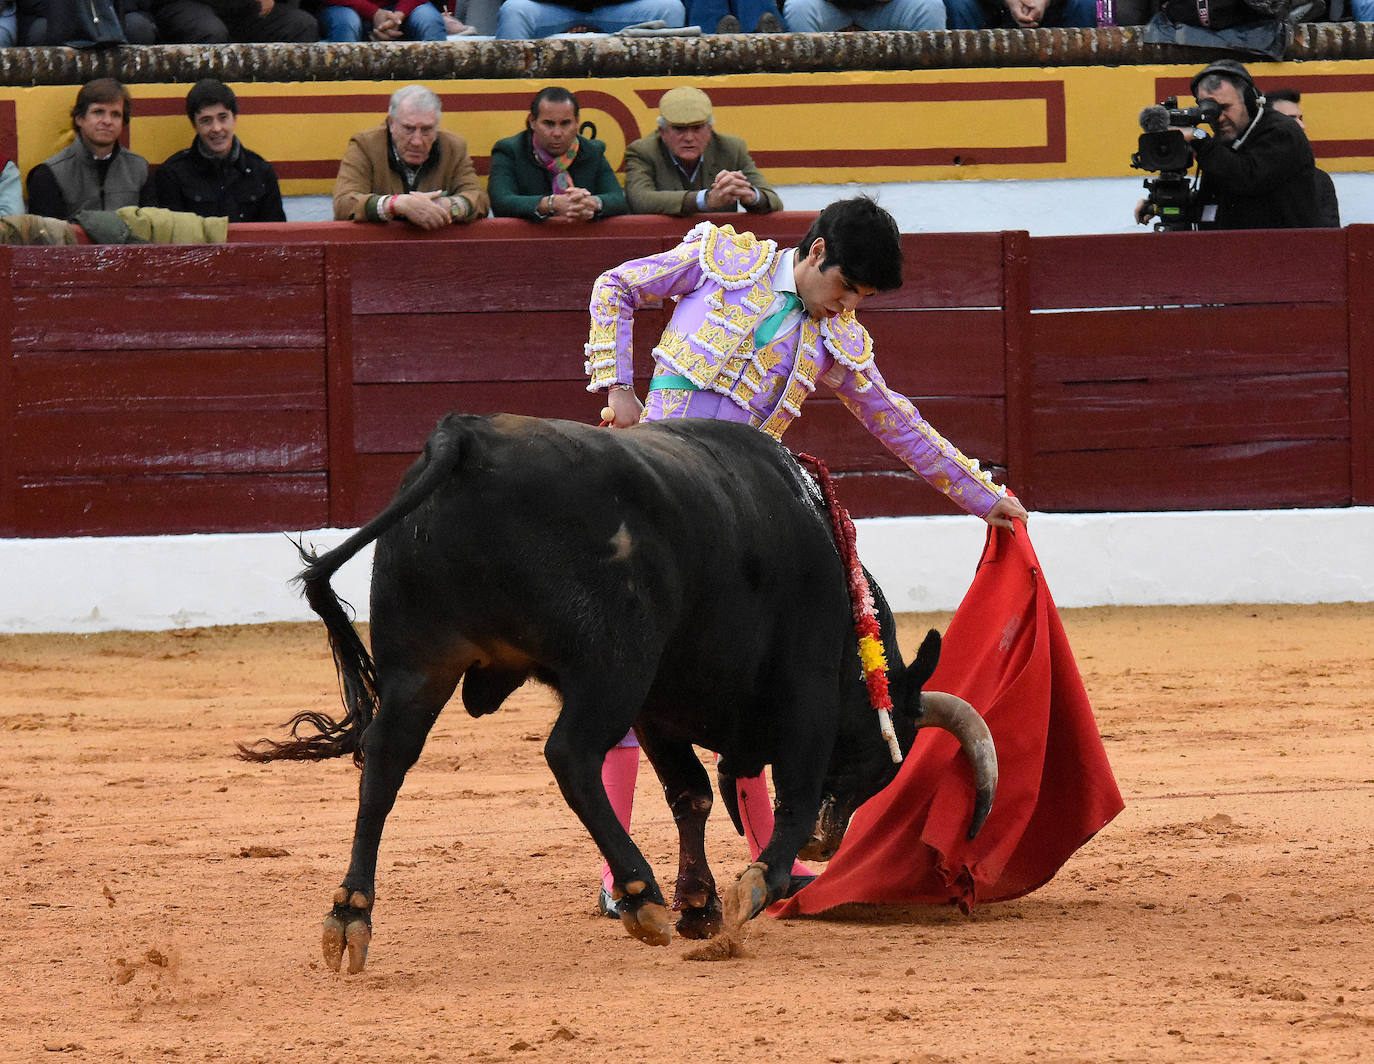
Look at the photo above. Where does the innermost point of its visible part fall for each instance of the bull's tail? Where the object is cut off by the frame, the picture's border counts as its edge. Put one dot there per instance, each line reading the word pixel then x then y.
pixel 324 736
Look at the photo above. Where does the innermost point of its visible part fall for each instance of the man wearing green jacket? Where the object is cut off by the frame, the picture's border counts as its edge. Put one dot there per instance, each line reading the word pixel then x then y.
pixel 549 173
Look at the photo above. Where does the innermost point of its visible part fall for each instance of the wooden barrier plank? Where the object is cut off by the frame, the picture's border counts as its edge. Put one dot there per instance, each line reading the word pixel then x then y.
pixel 1018 366
pixel 1277 474
pixel 95 318
pixel 261 267
pixel 890 494
pixel 1191 413
pixel 154 504
pixel 1193 342
pixel 115 442
pixel 938 352
pixel 1170 269
pixel 484 276
pixel 498 345
pixel 191 380
pixel 398 418
pixel 946 270
pixel 1361 355
pixel 8 393
pixel 338 373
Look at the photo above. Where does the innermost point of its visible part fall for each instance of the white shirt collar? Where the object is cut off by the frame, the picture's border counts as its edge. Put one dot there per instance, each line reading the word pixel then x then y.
pixel 785 280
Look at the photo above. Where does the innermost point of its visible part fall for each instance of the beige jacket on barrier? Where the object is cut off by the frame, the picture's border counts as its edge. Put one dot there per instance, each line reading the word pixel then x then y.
pixel 365 174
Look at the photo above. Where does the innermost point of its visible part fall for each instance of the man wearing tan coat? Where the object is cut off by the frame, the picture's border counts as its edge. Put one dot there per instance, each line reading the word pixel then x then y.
pixel 409 169
pixel 686 167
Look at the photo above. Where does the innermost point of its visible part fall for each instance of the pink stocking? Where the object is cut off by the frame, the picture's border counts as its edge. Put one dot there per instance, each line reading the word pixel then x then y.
pixel 618 774
pixel 756 814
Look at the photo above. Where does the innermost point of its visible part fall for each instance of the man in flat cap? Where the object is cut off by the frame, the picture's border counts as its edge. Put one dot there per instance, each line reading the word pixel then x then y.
pixel 686 167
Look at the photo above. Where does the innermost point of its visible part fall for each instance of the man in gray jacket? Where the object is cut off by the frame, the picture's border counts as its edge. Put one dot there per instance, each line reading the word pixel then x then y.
pixel 95 172
pixel 686 167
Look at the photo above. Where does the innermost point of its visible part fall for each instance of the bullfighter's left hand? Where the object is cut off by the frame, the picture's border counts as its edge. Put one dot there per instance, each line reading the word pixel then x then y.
pixel 1007 511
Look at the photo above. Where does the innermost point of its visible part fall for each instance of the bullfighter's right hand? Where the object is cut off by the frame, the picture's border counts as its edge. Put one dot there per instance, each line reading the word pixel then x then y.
pixel 625 406
pixel 424 209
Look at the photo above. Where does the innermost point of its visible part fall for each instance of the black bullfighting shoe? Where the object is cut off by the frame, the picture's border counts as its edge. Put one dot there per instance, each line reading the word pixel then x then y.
pixel 796 883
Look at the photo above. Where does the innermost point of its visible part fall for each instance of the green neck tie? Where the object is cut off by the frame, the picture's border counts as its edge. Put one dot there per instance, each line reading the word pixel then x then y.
pixel 769 326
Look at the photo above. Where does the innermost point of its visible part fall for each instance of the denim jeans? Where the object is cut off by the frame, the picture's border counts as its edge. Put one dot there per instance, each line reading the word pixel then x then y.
pixel 818 16
pixel 708 13
pixel 531 19
pixel 343 25
pixel 1363 10
pixel 967 15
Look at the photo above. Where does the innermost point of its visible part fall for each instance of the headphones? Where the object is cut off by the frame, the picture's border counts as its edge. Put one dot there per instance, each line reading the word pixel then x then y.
pixel 1235 73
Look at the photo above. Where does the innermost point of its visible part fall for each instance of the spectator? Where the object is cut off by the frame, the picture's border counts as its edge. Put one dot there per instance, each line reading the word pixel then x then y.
pixel 217 176
pixel 345 21
pixel 234 22
pixel 823 16
pixel 1019 14
pixel 1257 171
pixel 69 26
pixel 1289 102
pixel 685 166
pixel 736 16
pixel 408 168
pixel 549 172
pixel 94 172
pixel 530 19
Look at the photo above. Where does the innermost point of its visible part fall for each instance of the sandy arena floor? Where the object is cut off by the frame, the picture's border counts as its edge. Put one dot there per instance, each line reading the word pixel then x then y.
pixel 163 901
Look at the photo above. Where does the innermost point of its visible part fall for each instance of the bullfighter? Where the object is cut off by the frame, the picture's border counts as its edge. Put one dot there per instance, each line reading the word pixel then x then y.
pixel 755 330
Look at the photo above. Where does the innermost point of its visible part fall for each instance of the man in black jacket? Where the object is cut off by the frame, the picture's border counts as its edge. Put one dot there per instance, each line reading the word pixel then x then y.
pixel 1257 171
pixel 217 176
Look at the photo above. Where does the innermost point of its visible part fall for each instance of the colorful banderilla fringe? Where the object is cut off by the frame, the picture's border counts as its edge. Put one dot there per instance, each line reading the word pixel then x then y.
pixel 871 655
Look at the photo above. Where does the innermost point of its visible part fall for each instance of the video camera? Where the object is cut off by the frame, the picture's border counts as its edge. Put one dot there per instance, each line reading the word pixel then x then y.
pixel 1164 150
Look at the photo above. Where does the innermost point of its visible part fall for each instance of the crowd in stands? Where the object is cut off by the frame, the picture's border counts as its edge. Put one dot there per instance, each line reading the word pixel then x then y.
pixel 99 22
pixel 408 169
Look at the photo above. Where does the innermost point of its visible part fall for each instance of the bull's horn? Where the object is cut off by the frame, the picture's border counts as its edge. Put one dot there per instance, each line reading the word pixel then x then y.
pixel 963 722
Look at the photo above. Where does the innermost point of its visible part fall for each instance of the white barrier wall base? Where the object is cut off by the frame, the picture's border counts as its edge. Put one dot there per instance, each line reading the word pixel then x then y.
pixel 922 563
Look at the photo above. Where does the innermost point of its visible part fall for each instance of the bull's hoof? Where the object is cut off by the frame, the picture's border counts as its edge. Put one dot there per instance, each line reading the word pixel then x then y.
pixel 348 926
pixel 647 922
pixel 703 922
pixel 746 898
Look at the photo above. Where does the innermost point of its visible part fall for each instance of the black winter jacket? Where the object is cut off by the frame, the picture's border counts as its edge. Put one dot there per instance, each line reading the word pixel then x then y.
pixel 1269 182
pixel 242 187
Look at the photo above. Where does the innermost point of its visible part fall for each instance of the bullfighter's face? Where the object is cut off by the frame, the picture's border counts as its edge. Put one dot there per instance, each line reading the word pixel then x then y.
pixel 826 292
pixel 413 131
pixel 555 127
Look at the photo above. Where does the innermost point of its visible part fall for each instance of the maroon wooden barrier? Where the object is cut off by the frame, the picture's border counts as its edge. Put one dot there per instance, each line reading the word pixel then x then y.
pixel 286 380
pixel 1190 371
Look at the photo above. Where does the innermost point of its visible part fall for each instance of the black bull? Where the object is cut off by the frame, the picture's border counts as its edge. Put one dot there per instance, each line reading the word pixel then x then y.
pixel 679 577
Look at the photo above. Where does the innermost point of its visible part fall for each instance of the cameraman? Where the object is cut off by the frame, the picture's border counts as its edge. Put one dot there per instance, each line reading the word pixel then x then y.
pixel 1257 171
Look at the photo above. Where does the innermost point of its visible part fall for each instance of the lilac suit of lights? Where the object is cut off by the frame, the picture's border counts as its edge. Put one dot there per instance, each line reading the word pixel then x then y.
pixel 724 284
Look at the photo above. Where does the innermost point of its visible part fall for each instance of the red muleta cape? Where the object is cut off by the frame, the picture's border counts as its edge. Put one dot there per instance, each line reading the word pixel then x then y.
pixel 1005 652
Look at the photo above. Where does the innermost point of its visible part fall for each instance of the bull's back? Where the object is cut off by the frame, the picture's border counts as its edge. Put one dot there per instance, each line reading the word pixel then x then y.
pixel 569 541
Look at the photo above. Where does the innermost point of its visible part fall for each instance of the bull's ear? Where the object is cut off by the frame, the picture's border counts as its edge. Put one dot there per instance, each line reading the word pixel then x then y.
pixel 923 664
